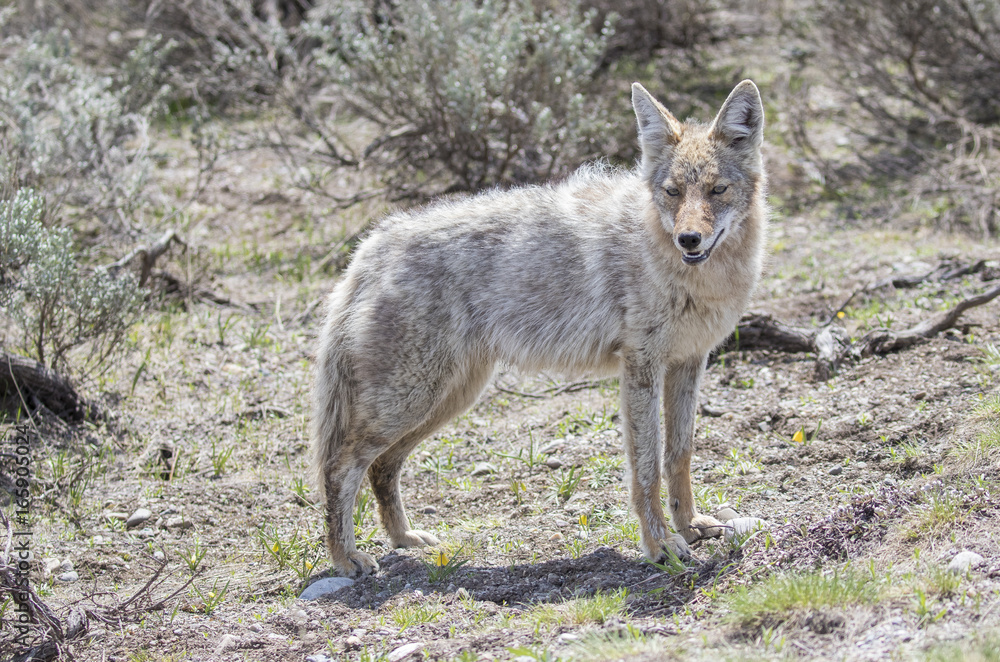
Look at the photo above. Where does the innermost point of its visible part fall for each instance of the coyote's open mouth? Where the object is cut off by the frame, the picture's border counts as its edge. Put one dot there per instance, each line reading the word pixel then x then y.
pixel 696 257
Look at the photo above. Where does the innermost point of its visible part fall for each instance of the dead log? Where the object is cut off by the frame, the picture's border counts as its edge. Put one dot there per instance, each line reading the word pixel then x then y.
pixel 33 386
pixel 830 343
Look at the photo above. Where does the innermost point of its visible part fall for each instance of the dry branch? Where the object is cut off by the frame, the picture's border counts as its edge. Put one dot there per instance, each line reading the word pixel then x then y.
pixel 149 255
pixel 831 344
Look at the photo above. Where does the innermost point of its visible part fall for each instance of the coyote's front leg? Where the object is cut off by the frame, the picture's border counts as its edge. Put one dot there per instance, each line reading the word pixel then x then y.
pixel 680 399
pixel 641 384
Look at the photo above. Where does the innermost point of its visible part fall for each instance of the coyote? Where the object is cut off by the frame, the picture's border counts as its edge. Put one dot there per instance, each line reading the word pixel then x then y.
pixel 638 274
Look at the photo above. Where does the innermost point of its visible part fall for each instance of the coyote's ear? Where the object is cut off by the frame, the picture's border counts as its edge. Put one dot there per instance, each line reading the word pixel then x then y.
pixel 740 122
pixel 658 129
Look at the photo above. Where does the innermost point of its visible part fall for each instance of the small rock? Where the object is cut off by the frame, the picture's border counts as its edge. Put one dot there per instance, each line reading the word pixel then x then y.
pixel 965 561
pixel 138 517
pixel 483 468
pixel 429 510
pixel 920 396
pixel 66 565
pixel 298 614
pixel 325 587
pixel 837 470
pixel 743 526
pixel 553 463
pixel 555 537
pixel 116 517
pixel 462 593
pixel 98 540
pixel 764 426
pixel 255 627
pixel 726 514
pixel 228 642
pixel 178 522
pixel 318 657
pixel 146 533
pixel 352 643
pixel 561 523
pixel 159 556
pixel 709 410
pixel 555 446
pixel 70 576
pixel 404 651
pixel 567 637
pixel 51 565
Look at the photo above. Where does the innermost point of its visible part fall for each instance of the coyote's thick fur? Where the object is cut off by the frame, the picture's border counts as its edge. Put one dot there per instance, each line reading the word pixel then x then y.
pixel 631 273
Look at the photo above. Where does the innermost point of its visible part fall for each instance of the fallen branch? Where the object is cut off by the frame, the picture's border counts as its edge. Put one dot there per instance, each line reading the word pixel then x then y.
pixel 149 256
pixel 831 344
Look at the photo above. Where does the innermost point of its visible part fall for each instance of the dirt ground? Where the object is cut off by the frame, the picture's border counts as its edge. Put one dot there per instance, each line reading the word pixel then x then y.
pixel 862 476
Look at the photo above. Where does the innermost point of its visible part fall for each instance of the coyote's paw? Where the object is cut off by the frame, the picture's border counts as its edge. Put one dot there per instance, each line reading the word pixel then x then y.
pixel 357 565
pixel 415 538
pixel 672 544
pixel 702 526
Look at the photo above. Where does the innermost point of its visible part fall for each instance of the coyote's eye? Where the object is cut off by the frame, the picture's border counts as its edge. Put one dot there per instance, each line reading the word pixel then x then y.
pixel 719 189
pixel 672 191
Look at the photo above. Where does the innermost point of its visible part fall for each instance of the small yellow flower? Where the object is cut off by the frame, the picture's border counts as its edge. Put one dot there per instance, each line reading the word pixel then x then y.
pixel 442 560
pixel 800 436
pixel 841 315
pixel 583 519
pixel 276 548
pixel 211 594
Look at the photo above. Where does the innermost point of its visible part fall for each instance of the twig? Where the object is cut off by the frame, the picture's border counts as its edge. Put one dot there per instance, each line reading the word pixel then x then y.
pixel 149 256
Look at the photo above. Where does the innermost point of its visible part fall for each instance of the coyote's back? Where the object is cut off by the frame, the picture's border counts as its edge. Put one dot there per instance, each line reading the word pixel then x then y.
pixel 637 273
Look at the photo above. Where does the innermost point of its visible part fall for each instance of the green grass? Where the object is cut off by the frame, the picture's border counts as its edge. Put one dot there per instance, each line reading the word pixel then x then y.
pixel 780 596
pixel 982 648
pixel 596 609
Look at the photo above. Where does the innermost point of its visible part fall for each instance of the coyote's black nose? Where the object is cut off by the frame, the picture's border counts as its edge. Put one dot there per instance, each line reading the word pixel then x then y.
pixel 689 240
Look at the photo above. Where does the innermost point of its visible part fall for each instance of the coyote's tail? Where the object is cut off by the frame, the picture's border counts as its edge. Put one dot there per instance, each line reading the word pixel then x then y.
pixel 331 399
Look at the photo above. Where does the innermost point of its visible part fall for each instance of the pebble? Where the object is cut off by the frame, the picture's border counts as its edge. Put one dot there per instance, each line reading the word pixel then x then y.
pixel 298 614
pixel 319 657
pixel 352 642
pixel 70 576
pixel 138 517
pixel 51 565
pixel 146 533
pixel 743 526
pixel 116 517
pixel 837 470
pixel 483 468
pixel 965 561
pixel 324 587
pixel 429 510
pixel 178 522
pixel 555 537
pixel 553 463
pixel 159 556
pixel 560 523
pixel 255 627
pixel 726 514
pixel 549 449
pixel 404 651
pixel 228 642
pixel 66 565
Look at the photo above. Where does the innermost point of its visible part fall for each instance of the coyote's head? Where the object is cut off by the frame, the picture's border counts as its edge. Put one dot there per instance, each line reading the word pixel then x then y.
pixel 704 178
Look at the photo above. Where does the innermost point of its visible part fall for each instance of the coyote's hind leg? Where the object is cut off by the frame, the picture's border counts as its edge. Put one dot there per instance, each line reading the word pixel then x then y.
pixel 342 477
pixel 385 470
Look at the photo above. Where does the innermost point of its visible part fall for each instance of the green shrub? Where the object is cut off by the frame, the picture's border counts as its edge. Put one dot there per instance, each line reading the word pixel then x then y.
pixel 471 94
pixel 75 134
pixel 922 81
pixel 56 306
